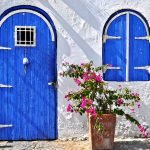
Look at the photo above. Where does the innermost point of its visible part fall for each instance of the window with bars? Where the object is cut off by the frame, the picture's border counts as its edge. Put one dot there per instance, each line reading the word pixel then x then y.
pixel 25 36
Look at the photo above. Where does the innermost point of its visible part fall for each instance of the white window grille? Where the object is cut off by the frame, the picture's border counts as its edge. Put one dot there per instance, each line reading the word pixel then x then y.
pixel 25 36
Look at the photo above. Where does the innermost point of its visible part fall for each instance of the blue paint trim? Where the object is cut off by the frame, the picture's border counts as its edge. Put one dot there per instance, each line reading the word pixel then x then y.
pixel 42 12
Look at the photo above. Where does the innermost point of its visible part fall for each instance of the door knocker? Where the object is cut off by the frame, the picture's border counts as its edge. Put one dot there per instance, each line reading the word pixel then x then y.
pixel 25 63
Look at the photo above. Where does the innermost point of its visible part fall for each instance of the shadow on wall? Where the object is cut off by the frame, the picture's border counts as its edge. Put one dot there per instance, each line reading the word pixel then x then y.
pixel 62 105
pixel 85 13
pixel 132 145
pixel 88 51
pixel 64 50
pixel 125 129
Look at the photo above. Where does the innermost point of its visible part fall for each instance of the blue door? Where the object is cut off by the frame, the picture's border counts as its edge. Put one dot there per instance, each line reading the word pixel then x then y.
pixel 126 48
pixel 27 72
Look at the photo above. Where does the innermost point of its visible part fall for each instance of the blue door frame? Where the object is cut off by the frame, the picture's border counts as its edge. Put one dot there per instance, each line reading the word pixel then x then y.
pixel 28 108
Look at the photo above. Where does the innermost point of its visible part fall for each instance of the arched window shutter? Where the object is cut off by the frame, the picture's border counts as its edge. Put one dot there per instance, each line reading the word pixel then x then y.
pixel 114 49
pixel 126 48
pixel 139 50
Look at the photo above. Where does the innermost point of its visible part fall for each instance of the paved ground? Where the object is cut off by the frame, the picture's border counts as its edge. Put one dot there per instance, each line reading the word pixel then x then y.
pixel 127 144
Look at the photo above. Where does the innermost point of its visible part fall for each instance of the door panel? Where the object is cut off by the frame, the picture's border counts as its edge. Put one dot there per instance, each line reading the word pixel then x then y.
pixel 30 105
pixel 114 50
pixel 139 50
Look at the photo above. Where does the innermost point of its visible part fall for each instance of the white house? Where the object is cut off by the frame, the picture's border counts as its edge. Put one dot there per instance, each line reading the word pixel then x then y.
pixel 36 36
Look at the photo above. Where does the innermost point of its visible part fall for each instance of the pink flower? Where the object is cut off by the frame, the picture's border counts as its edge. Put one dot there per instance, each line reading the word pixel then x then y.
pixel 146 134
pixel 93 75
pixel 86 102
pixel 119 86
pixel 142 129
pixel 83 64
pixel 78 82
pixel 139 105
pixel 120 101
pixel 132 110
pixel 69 108
pixel 98 78
pixel 86 79
pixel 83 104
pixel 84 75
pixel 91 111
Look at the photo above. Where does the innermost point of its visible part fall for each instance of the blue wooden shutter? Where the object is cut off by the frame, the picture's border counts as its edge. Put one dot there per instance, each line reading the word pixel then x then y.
pixel 114 49
pixel 139 50
pixel 126 46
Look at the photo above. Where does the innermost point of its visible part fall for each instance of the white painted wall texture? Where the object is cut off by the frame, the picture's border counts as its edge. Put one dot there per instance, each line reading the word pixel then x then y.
pixel 79 25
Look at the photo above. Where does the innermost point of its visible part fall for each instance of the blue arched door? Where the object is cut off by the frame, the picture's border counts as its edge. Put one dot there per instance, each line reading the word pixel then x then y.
pixel 27 70
pixel 126 47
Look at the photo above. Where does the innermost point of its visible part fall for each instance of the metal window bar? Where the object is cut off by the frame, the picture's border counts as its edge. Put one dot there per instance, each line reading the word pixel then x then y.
pixel 25 36
pixel 30 41
pixel 20 36
pixel 30 36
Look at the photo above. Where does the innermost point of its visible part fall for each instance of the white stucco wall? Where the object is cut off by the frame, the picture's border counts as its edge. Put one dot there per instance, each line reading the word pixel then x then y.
pixel 79 25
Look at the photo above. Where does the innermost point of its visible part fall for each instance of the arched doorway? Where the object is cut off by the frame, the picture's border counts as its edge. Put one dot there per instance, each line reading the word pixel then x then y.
pixel 28 106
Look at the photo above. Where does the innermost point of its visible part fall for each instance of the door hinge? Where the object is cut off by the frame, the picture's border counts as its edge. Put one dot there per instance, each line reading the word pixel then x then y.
pixel 5 125
pixel 5 86
pixel 147 68
pixel 5 48
pixel 114 68
pixel 142 38
pixel 106 37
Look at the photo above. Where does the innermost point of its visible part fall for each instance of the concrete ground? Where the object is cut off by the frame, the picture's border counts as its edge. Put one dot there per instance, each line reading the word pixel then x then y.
pixel 120 144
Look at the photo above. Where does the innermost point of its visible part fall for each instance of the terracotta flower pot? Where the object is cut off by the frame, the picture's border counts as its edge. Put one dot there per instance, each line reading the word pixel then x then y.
pixel 102 140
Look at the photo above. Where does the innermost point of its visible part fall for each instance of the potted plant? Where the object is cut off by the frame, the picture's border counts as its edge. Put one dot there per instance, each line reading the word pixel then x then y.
pixel 99 102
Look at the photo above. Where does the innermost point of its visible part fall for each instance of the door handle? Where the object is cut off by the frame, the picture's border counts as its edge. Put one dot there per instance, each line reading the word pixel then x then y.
pixel 147 68
pixel 5 86
pixel 53 84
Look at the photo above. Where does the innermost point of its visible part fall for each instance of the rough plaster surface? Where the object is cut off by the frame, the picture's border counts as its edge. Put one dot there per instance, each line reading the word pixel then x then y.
pixel 79 25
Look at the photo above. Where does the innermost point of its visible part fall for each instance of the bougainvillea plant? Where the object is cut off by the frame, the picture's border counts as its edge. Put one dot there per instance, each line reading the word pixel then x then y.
pixel 95 98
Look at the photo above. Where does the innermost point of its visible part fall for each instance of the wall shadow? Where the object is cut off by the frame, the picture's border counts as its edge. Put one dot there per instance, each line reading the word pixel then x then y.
pixel 88 51
pixel 132 145
pixel 85 13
